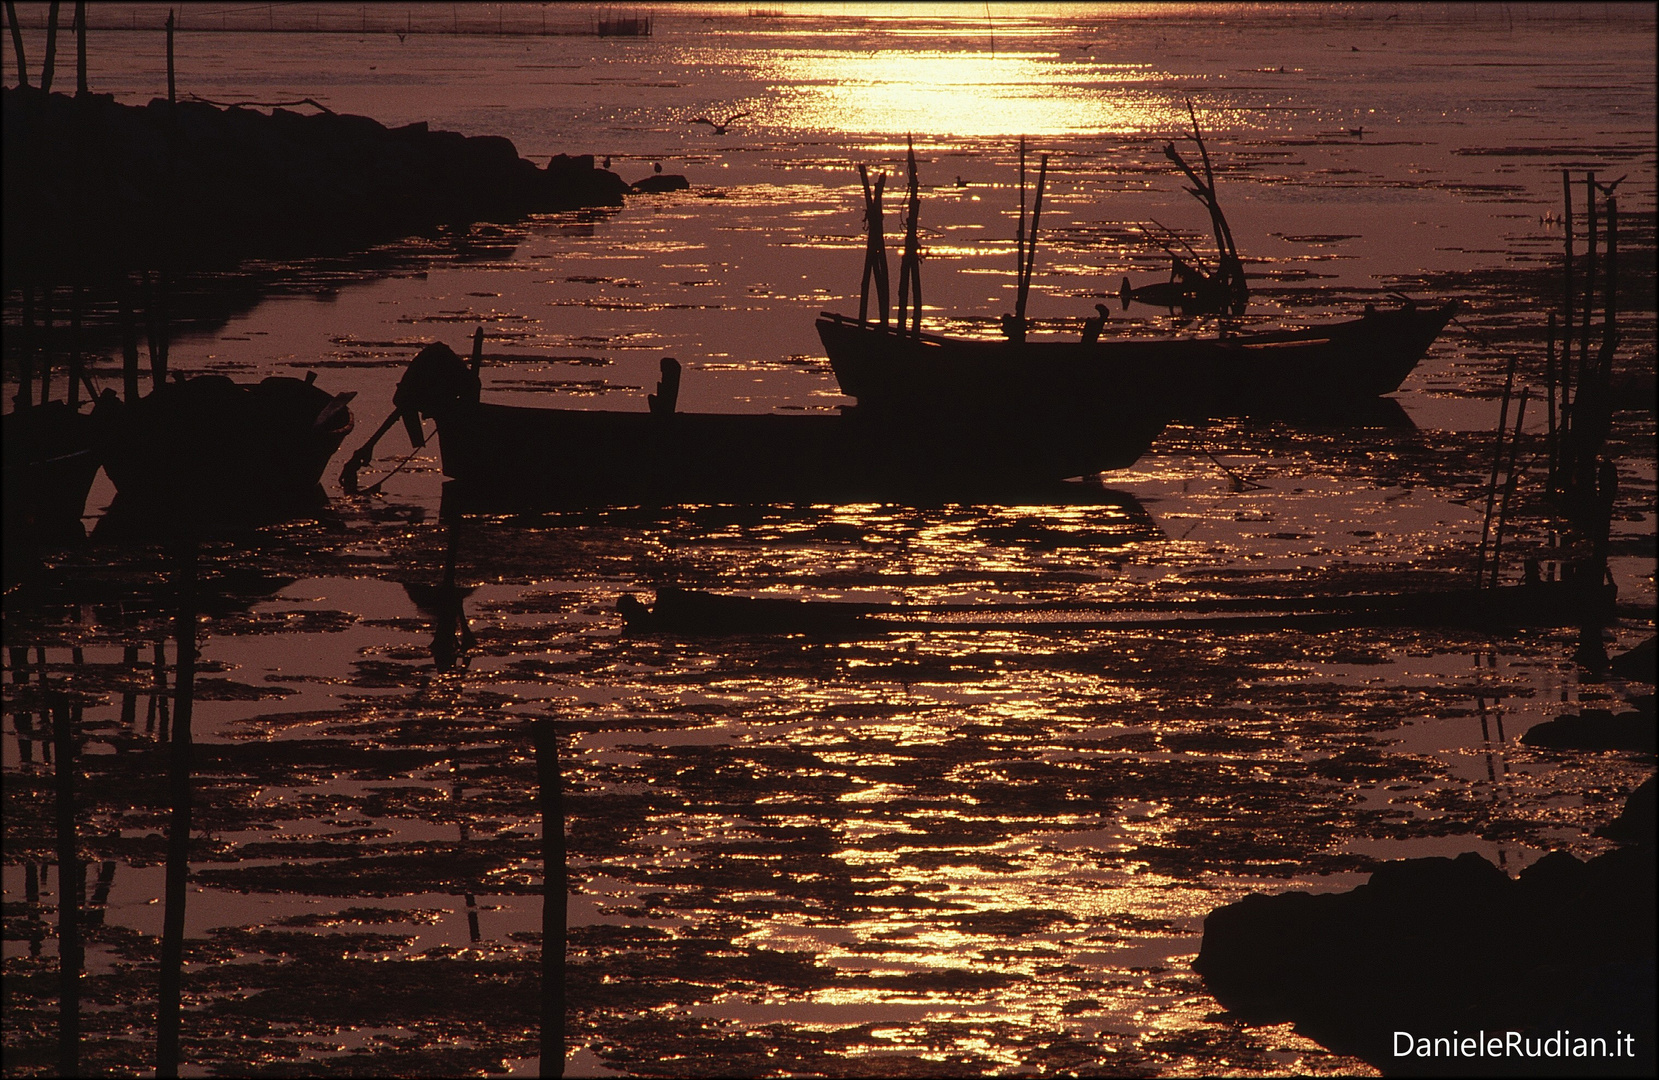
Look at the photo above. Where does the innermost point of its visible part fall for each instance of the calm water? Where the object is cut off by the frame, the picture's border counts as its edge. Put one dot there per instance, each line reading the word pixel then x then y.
pixel 934 852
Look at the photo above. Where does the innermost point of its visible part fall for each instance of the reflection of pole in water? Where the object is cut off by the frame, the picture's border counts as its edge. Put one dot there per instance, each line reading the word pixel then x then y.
pixel 1486 741
pixel 70 887
pixel 129 696
pixel 471 900
pixel 31 899
pixel 554 902
pixel 100 894
pixel 23 726
pixel 158 694
pixel 1502 763
pixel 178 831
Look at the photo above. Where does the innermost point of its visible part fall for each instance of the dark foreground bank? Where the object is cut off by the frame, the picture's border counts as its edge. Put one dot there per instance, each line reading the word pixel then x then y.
pixel 93 185
pixel 1441 967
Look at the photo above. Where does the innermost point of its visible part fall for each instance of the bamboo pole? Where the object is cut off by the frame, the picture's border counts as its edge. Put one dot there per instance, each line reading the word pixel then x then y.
pixel 1030 247
pixel 1590 270
pixel 1019 230
pixel 1497 461
pixel 172 94
pixel 875 249
pixel 80 48
pixel 156 317
pixel 910 263
pixel 1549 390
pixel 49 66
pixel 45 344
pixel 26 362
pixel 75 369
pixel 1568 321
pixel 1610 279
pixel 17 43
pixel 129 344
pixel 1509 484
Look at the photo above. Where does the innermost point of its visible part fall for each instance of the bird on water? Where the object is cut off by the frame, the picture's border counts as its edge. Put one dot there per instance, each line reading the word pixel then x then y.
pixel 718 128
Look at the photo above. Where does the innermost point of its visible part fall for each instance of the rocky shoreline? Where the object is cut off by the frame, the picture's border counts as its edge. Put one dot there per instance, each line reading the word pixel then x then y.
pixel 1455 949
pixel 95 187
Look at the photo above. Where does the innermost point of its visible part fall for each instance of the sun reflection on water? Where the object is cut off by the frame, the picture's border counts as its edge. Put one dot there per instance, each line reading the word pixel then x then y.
pixel 968 94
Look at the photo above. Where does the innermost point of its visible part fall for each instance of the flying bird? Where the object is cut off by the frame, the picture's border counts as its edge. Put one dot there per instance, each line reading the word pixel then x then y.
pixel 720 128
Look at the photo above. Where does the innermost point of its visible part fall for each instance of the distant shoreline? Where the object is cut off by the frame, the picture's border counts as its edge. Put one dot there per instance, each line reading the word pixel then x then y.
pixel 95 188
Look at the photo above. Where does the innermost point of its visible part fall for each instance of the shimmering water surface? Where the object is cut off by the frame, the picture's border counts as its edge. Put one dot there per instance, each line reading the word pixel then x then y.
pixel 939 851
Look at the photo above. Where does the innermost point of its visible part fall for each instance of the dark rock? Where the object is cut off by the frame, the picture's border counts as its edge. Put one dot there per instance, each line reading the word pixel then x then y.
pixel 1598 729
pixel 662 182
pixel 90 183
pixel 1639 823
pixel 1430 946
pixel 1638 664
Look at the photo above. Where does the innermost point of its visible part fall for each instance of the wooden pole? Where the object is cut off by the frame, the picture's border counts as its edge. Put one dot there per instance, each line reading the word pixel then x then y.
pixel 172 94
pixel 1549 390
pixel 555 898
pixel 1509 484
pixel 49 66
pixel 1586 408
pixel 1610 281
pixel 26 362
pixel 1589 276
pixel 80 48
pixel 1569 322
pixel 156 317
pixel 875 249
pixel 76 372
pixel 910 264
pixel 129 344
pixel 1031 247
pixel 1019 232
pixel 1492 484
pixel 1592 650
pixel 45 344
pixel 71 884
pixel 17 43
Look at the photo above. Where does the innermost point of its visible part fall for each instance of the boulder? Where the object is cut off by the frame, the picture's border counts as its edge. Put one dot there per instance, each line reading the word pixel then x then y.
pixel 1433 946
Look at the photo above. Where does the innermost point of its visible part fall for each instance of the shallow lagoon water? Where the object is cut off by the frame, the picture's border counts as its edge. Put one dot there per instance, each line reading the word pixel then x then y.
pixel 929 851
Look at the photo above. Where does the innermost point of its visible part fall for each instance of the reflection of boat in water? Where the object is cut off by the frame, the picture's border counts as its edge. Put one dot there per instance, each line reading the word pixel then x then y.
pixel 573 457
pixel 1271 373
pixel 685 612
pixel 209 446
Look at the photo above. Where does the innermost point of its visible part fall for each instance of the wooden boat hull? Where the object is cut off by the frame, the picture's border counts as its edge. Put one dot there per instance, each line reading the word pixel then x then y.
pixel 209 445
pixel 51 457
pixel 591 458
pixel 1280 374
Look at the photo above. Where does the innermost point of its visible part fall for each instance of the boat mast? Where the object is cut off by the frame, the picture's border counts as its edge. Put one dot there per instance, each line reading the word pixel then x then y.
pixel 875 250
pixel 910 264
pixel 1025 249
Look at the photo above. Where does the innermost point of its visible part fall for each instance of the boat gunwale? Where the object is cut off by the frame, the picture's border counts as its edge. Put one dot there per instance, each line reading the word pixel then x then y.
pixel 1323 334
